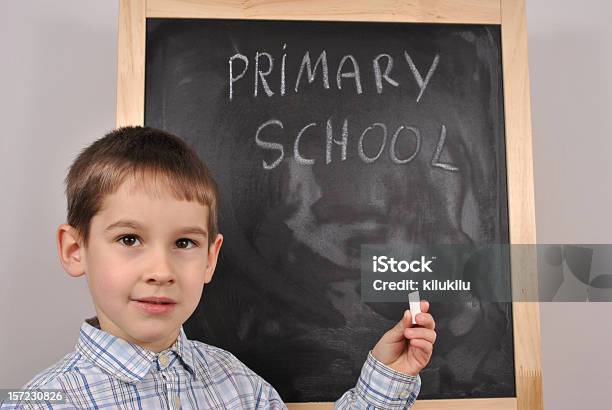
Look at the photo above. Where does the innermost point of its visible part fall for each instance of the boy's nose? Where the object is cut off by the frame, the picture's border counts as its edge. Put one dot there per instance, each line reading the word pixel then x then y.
pixel 160 271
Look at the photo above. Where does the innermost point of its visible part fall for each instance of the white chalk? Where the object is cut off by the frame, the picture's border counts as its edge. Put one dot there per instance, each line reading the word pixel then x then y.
pixel 415 305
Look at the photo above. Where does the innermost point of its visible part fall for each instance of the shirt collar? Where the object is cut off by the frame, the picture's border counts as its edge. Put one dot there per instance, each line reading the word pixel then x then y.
pixel 124 360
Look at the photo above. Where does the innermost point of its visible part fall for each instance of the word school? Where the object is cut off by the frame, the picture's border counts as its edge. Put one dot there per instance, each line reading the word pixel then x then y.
pixel 376 130
pixel 348 69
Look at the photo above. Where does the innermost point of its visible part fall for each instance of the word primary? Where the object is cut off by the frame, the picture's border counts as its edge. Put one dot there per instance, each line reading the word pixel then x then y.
pixel 348 69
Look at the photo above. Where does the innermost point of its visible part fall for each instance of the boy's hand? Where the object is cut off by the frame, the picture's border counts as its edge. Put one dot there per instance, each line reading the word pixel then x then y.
pixel 407 348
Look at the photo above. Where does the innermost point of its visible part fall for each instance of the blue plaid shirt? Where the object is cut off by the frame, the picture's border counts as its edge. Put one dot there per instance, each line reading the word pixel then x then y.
pixel 108 372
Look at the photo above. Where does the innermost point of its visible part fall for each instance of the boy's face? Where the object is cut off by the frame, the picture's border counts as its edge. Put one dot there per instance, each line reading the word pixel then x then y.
pixel 144 246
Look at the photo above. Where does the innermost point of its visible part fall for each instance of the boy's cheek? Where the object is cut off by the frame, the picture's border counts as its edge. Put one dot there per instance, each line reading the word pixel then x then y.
pixel 192 293
pixel 108 284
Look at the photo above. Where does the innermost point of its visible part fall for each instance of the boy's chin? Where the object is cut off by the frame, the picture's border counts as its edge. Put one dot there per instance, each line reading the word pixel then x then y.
pixel 155 333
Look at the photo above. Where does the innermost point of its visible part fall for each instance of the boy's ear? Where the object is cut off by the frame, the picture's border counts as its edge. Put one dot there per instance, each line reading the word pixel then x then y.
pixel 70 250
pixel 213 255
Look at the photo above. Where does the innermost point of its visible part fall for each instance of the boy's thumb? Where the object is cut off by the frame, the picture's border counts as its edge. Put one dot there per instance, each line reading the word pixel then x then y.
pixel 397 332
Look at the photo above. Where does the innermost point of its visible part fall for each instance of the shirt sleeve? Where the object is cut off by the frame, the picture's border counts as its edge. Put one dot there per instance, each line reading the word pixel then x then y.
pixel 271 400
pixel 381 387
pixel 258 393
pixel 378 387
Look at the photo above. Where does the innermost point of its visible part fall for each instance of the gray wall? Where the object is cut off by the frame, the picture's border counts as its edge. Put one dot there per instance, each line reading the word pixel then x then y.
pixel 58 77
pixel 570 61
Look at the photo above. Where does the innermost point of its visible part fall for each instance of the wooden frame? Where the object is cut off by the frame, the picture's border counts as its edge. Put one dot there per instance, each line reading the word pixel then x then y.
pixel 510 14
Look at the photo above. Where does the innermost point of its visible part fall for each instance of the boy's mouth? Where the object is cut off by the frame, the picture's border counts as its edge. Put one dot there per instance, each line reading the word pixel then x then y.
pixel 156 300
pixel 155 304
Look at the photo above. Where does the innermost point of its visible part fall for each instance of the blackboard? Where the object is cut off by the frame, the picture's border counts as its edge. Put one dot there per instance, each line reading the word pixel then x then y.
pixel 285 296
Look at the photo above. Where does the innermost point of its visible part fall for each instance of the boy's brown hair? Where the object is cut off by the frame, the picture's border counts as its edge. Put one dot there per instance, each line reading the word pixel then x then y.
pixel 141 153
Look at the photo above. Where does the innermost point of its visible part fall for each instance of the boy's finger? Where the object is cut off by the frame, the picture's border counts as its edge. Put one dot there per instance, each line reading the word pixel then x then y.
pixel 422 344
pixel 420 333
pixel 406 319
pixel 397 331
pixel 424 306
pixel 406 322
pixel 425 320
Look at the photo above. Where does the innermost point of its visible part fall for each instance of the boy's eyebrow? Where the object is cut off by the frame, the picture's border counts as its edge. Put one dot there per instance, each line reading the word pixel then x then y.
pixel 123 223
pixel 126 223
pixel 196 230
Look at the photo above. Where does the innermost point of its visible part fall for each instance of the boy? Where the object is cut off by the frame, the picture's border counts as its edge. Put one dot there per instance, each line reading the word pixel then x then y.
pixel 142 228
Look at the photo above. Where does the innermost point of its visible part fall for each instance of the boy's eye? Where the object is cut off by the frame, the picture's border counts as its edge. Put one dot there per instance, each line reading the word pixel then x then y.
pixel 128 240
pixel 183 243
pixel 131 240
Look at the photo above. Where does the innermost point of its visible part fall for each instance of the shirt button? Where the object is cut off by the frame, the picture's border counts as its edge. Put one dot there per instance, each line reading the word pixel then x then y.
pixel 404 394
pixel 163 361
pixel 177 402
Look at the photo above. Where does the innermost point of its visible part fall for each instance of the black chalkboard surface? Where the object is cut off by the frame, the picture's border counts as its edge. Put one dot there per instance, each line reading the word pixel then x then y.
pixel 324 136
